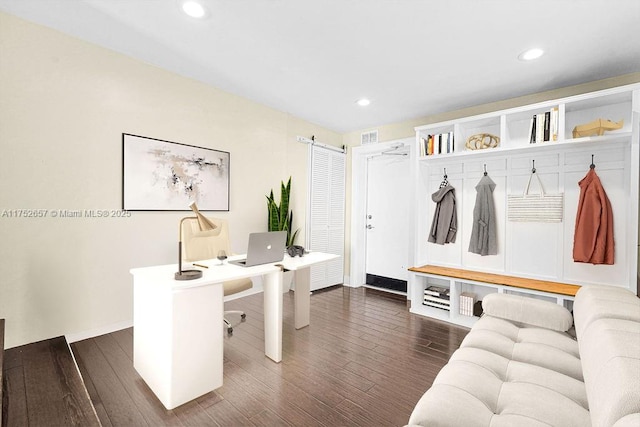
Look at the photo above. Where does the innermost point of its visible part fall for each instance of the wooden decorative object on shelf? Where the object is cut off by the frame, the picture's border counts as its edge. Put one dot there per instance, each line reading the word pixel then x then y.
pixel 481 141
pixel 596 127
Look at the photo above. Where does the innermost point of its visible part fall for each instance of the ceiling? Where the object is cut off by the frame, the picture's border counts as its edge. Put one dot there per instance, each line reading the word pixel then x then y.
pixel 314 59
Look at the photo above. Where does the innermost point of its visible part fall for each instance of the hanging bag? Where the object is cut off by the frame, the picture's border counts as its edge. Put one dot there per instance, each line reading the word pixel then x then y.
pixel 541 207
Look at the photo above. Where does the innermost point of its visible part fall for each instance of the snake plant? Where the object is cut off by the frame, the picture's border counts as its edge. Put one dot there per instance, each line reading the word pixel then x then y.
pixel 280 217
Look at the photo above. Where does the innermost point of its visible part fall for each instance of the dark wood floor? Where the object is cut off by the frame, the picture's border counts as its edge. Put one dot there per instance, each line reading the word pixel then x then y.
pixel 364 360
pixel 44 388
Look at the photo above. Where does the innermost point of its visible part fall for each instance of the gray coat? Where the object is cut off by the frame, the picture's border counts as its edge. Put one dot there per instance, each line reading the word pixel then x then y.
pixel 445 218
pixel 483 234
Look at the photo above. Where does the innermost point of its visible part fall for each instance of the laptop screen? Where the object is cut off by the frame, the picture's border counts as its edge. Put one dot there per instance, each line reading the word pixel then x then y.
pixel 264 248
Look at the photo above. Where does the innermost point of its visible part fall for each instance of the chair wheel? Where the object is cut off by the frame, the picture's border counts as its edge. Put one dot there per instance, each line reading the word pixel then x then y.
pixel 243 316
pixel 230 331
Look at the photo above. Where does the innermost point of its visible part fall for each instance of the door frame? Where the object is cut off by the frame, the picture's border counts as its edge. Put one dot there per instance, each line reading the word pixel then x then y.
pixel 358 246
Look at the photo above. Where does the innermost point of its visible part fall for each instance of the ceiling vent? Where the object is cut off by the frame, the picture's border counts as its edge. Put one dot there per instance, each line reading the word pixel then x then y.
pixel 369 137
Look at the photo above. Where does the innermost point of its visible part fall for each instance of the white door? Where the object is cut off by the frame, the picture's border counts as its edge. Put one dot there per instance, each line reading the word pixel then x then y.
pixel 325 223
pixel 387 247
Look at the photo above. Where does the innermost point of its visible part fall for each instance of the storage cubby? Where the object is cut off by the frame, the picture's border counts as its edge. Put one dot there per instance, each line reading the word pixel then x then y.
pixel 488 125
pixel 531 250
pixel 518 125
pixel 445 129
pixel 422 283
pixel 614 107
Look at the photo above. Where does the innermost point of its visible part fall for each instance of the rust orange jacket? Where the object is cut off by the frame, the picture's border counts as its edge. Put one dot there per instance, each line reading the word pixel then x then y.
pixel 593 238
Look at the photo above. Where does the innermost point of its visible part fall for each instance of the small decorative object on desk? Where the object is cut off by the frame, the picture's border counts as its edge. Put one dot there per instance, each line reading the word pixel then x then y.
pixel 222 255
pixel 596 127
pixel 295 250
pixel 467 300
pixel 481 141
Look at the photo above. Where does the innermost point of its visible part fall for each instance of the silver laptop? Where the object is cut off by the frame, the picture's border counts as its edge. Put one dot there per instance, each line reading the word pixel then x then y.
pixel 264 248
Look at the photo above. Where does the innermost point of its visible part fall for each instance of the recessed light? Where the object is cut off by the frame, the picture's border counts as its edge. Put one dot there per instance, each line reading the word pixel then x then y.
pixel 363 102
pixel 531 54
pixel 194 9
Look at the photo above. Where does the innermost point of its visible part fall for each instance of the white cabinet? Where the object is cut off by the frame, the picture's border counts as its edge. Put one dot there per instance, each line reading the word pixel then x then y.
pixel 533 250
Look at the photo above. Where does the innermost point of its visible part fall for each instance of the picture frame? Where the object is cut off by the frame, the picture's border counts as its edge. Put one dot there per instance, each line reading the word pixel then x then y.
pixel 159 175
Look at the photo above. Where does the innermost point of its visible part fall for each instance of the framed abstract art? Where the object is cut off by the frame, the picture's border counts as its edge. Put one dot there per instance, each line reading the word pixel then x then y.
pixel 166 176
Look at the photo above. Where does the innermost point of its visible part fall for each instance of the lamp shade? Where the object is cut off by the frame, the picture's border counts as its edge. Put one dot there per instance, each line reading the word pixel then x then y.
pixel 203 221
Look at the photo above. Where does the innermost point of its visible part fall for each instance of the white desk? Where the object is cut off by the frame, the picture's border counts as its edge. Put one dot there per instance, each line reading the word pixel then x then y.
pixel 177 332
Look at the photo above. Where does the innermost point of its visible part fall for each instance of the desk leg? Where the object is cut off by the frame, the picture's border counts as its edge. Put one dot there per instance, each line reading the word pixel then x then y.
pixel 302 297
pixel 272 283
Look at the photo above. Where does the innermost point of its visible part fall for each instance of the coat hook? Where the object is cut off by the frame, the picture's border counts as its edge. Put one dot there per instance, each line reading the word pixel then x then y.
pixel 533 169
pixel 485 169
pixel 592 166
pixel 445 172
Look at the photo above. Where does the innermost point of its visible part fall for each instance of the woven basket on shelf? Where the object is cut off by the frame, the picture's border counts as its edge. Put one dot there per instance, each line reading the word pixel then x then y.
pixel 481 141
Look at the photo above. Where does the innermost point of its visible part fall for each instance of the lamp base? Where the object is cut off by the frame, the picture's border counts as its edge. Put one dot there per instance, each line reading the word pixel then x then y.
pixel 188 275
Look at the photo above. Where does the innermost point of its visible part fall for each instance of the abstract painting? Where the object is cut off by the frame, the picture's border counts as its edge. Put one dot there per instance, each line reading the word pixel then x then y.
pixel 162 175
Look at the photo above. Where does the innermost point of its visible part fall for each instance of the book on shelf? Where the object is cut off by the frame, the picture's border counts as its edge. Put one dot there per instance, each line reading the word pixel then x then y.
pixel 543 127
pixel 467 300
pixel 437 305
pixel 441 143
pixel 437 291
pixel 438 300
pixel 539 128
pixel 547 126
pixel 554 123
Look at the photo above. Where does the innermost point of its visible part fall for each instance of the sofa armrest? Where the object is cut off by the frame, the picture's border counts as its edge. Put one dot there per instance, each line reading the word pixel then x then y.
pixel 528 310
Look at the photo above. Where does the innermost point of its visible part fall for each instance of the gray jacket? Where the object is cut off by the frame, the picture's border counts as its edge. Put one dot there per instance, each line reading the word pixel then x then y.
pixel 483 234
pixel 445 218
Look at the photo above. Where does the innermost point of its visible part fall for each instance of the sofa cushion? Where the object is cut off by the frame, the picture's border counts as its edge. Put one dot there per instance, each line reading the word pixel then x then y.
pixel 507 374
pixel 608 327
pixel 598 302
pixel 550 349
pixel 528 310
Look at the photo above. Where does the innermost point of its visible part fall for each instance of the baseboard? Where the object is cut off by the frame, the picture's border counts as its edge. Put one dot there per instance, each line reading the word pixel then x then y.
pixel 103 330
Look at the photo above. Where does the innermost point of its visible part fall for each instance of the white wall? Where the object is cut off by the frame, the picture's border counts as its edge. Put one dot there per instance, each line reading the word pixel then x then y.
pixel 64 104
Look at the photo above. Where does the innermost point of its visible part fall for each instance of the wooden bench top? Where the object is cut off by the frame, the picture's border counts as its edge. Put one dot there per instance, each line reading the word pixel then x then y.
pixel 499 279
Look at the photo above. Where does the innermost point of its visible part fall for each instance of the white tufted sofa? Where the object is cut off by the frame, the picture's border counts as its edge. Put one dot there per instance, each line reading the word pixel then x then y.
pixel 520 367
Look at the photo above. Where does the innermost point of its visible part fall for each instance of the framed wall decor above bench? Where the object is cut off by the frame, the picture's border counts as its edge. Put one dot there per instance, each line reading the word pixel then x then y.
pixel 527 249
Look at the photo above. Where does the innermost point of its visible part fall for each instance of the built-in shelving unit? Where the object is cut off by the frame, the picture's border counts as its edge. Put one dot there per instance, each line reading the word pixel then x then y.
pixel 530 250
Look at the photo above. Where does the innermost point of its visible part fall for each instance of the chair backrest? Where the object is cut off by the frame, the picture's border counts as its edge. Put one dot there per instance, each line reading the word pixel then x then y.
pixel 198 245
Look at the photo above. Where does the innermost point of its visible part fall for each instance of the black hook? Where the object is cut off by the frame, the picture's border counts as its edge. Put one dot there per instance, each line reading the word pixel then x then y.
pixel 485 169
pixel 445 173
pixel 592 165
pixel 533 170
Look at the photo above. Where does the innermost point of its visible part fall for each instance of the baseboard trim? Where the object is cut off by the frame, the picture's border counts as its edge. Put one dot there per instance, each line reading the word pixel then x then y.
pixel 102 330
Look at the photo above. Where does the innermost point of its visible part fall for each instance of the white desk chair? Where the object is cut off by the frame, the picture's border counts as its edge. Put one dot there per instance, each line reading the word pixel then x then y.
pixel 199 245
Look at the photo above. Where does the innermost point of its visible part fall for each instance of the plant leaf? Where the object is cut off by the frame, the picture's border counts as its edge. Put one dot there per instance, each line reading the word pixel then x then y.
pixel 292 241
pixel 285 191
pixel 273 220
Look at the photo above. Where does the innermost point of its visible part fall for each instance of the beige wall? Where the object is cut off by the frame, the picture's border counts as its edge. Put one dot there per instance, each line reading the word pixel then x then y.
pixel 64 104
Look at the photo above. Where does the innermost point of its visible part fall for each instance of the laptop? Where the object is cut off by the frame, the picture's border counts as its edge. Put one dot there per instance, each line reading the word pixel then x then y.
pixel 264 248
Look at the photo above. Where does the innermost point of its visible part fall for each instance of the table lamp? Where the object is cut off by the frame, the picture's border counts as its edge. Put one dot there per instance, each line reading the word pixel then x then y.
pixel 204 224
